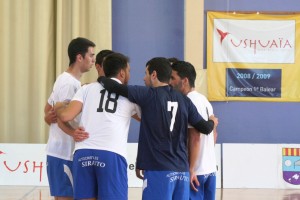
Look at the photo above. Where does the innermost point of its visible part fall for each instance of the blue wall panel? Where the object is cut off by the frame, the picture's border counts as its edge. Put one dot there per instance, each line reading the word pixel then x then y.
pixel 258 122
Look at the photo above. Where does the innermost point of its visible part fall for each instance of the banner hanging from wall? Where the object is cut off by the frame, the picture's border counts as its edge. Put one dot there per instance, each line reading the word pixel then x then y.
pixel 253 57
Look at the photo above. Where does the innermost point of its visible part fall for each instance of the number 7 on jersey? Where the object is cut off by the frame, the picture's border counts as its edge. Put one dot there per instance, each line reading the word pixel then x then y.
pixel 172 106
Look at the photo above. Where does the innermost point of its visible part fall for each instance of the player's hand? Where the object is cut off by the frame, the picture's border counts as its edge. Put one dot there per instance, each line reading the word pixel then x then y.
pixel 139 173
pixel 194 181
pixel 80 134
pixel 216 120
pixel 50 117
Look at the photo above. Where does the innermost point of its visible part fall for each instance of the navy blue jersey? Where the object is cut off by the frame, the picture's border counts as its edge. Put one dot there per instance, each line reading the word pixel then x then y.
pixel 163 131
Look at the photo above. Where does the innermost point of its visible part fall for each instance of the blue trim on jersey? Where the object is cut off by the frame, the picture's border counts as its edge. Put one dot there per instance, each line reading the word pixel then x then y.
pixel 59 182
pixel 166 185
pixel 100 174
pixel 206 189
pixel 163 146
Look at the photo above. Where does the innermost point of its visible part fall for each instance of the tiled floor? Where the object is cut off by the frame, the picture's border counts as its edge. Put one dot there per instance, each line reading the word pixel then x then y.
pixel 42 193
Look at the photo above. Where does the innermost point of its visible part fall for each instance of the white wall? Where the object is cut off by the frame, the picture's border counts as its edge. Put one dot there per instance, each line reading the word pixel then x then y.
pixel 25 164
pixel 239 165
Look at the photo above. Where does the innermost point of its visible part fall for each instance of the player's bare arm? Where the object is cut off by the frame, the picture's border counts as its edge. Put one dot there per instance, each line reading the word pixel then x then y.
pixel 50 115
pixel 139 173
pixel 67 112
pixel 193 147
pixel 78 134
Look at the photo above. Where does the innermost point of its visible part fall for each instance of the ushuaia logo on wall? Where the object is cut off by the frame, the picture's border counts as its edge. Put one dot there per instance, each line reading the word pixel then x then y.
pixel 269 44
pixel 254 41
pixel 291 165
pixel 25 167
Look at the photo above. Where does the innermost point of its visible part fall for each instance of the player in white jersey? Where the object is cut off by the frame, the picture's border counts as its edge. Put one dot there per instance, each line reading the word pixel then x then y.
pixel 79 133
pixel 100 167
pixel 60 145
pixel 202 158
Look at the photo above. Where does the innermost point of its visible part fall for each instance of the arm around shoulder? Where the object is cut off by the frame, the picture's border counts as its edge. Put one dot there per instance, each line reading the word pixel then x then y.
pixel 113 86
pixel 206 127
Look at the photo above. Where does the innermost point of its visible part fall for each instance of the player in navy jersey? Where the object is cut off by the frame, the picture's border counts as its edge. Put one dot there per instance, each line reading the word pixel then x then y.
pixel 162 150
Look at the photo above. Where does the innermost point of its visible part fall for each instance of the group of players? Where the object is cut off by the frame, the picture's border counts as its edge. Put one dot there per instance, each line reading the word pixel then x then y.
pixel 89 124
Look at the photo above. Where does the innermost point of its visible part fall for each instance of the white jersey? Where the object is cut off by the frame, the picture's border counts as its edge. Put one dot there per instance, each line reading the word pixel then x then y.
pixel 60 144
pixel 106 117
pixel 206 162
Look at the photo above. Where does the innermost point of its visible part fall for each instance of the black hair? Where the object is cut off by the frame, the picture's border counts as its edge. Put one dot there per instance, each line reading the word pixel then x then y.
pixel 78 46
pixel 113 63
pixel 101 55
pixel 162 67
pixel 173 60
pixel 185 69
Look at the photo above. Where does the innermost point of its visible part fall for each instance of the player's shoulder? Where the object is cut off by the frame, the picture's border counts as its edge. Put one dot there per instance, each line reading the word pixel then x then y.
pixel 180 95
pixel 65 75
pixel 91 87
pixel 197 95
pixel 92 84
pixel 67 79
pixel 181 98
pixel 138 87
pixel 138 91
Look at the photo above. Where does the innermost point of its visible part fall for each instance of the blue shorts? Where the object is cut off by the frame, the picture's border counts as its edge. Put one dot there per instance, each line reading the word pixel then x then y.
pixel 166 185
pixel 60 178
pixel 99 174
pixel 207 188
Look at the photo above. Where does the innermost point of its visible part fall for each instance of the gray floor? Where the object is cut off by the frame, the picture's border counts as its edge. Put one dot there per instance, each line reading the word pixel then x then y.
pixel 42 193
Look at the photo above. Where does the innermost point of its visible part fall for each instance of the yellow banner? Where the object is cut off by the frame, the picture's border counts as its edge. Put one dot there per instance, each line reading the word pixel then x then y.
pixel 253 57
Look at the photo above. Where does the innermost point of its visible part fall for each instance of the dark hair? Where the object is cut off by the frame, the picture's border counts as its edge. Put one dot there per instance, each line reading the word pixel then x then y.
pixel 78 46
pixel 162 67
pixel 113 63
pixel 101 55
pixel 173 60
pixel 185 69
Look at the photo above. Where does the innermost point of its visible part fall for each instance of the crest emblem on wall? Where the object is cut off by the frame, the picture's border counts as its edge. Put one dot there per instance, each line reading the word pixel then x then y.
pixel 291 165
